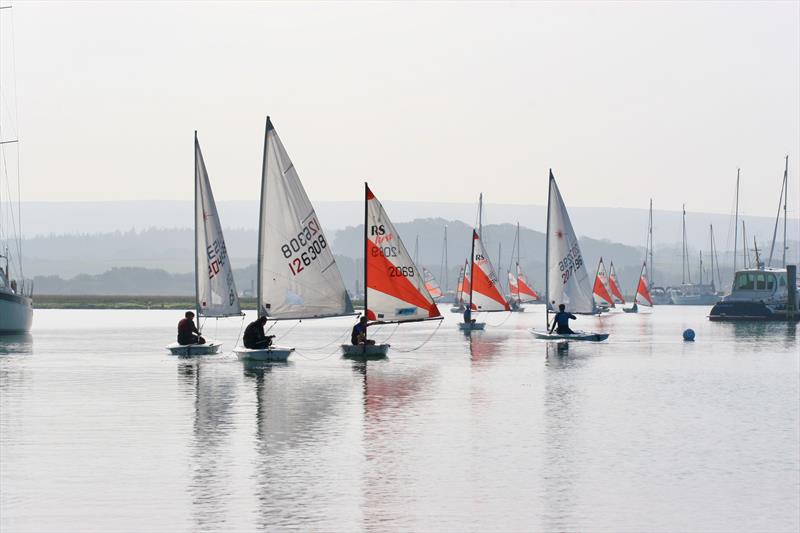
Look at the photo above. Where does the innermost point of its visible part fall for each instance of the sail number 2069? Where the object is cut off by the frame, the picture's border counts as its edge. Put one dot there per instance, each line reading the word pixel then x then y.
pixel 305 248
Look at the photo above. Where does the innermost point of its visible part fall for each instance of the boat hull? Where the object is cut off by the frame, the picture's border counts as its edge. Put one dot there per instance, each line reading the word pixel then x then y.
pixel 475 326
pixel 577 336
pixel 209 348
pixel 456 309
pixel 275 354
pixel 360 351
pixel 16 313
pixel 746 311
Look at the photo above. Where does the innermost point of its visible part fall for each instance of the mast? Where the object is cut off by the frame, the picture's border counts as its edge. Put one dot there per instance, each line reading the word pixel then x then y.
pixel 736 223
pixel 519 297
pixel 701 267
pixel 547 254
pixel 196 235
pixel 683 251
pixel 480 220
pixel 781 199
pixel 499 255
pixel 366 248
pixel 745 253
pixel 471 271
pixel 446 284
pixel 785 198
pixel 650 242
pixel 260 258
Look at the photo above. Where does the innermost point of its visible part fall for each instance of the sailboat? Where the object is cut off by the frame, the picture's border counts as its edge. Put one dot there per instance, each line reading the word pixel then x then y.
pixel 692 293
pixel 297 275
pixel 642 295
pixel 215 290
pixel 430 282
pixel 484 287
pixel 519 290
pixel 613 285
pixel 16 293
pixel 567 281
pixel 600 290
pixel 394 290
pixel 462 288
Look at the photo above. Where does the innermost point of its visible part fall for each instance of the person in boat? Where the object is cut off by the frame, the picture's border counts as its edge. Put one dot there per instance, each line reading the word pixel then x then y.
pixel 359 334
pixel 187 331
pixel 561 321
pixel 254 336
pixel 635 307
pixel 468 316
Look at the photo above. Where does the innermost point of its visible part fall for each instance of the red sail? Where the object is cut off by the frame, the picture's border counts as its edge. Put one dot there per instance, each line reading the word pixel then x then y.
pixel 643 292
pixel 525 289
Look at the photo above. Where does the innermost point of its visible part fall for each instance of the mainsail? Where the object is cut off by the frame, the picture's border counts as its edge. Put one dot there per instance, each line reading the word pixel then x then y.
pixel 643 288
pixel 395 287
pixel 431 284
pixel 601 284
pixel 513 289
pixel 214 285
pixel 567 279
pixel 523 288
pixel 613 285
pixel 460 286
pixel 297 273
pixel 485 292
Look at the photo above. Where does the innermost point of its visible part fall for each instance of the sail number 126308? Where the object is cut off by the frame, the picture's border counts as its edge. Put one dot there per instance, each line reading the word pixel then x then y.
pixel 305 248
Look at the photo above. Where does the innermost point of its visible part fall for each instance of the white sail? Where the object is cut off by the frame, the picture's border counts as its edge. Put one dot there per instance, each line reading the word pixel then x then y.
pixel 297 273
pixel 568 281
pixel 395 286
pixel 486 295
pixel 215 288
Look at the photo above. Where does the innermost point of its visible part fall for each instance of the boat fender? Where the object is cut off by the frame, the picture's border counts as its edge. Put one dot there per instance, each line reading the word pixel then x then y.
pixel 688 335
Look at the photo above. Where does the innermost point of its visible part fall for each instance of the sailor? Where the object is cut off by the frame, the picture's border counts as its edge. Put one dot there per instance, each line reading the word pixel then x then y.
pixel 635 307
pixel 187 330
pixel 561 320
pixel 468 316
pixel 359 334
pixel 254 336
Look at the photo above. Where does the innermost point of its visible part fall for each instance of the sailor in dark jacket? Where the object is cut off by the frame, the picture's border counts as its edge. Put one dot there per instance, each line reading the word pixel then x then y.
pixel 254 336
pixel 187 330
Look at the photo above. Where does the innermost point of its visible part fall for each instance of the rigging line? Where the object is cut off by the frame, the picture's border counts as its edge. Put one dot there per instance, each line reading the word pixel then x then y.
pixel 316 348
pixel 426 341
pixel 384 341
pixel 239 335
pixel 508 315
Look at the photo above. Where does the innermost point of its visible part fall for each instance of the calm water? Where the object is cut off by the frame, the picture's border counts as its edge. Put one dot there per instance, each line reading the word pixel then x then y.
pixel 101 430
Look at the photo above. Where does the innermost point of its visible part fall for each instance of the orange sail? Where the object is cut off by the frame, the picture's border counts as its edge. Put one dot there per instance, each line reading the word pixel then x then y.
pixel 395 286
pixel 600 284
pixel 642 288
pixel 524 288
pixel 613 284
pixel 485 289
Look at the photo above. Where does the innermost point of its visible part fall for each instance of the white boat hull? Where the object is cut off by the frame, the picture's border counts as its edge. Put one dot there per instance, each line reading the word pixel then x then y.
pixel 209 348
pixel 16 313
pixel 475 326
pixel 365 350
pixel 275 354
pixel 577 336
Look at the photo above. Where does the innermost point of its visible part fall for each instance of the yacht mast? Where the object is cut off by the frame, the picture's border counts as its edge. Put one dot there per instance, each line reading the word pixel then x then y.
pixel 736 223
pixel 650 244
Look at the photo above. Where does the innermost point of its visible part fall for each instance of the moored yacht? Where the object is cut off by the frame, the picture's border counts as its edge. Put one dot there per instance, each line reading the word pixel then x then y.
pixel 16 304
pixel 758 294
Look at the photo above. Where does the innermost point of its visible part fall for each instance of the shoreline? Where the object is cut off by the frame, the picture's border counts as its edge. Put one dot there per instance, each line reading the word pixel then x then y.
pixel 111 301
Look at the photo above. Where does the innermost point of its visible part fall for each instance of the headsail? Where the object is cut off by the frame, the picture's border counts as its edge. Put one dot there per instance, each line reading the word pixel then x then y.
pixel 523 287
pixel 297 276
pixel 485 289
pixel 643 288
pixel 431 284
pixel 215 288
pixel 613 285
pixel 395 287
pixel 513 289
pixel 567 279
pixel 601 284
pixel 466 283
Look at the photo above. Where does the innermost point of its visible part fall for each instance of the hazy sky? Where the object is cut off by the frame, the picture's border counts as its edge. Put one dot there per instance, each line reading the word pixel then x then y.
pixel 428 101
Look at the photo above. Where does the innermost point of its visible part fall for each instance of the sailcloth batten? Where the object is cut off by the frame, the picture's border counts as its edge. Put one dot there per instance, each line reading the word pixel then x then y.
pixel 216 290
pixel 486 294
pixel 568 281
pixel 298 275
pixel 395 286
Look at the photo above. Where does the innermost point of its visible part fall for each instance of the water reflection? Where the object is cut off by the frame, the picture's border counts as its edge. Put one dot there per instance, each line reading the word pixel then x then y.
pixel 387 392
pixel 16 344
pixel 484 349
pixel 561 470
pixel 296 425
pixel 214 396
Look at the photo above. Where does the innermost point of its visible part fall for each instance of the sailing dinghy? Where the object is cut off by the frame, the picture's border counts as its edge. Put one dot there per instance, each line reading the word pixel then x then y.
pixel 642 296
pixel 600 291
pixel 613 285
pixel 461 289
pixel 215 290
pixel 297 275
pixel 518 287
pixel 484 290
pixel 394 289
pixel 567 280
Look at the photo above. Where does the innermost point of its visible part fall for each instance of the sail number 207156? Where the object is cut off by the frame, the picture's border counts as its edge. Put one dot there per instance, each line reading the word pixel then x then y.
pixel 305 248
